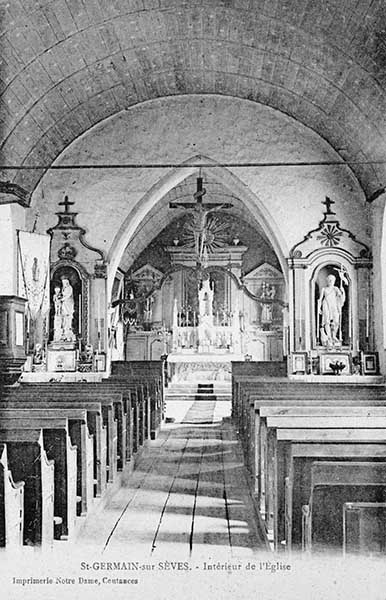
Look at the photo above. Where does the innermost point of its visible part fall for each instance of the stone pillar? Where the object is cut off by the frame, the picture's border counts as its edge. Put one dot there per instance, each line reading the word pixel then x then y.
pixel 379 278
pixel 298 311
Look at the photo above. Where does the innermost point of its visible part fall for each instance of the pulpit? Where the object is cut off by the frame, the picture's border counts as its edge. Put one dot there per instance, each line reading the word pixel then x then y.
pixel 13 337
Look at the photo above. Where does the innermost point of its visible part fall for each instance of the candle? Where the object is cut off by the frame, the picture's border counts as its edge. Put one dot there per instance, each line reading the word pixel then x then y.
pixel 300 321
pixel 367 318
pixel 80 315
pixel 357 345
pixel 99 314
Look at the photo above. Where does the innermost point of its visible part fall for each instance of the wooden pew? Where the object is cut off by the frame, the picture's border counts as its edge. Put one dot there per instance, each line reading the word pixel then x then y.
pixel 269 426
pixel 282 389
pixel 149 400
pixel 260 392
pixel 74 472
pixel 338 482
pixel 252 370
pixel 307 436
pixel 364 528
pixel 136 399
pixel 150 369
pixel 94 422
pixel 11 505
pixel 294 469
pixel 150 373
pixel 28 462
pixel 136 402
pixel 111 405
pixel 255 438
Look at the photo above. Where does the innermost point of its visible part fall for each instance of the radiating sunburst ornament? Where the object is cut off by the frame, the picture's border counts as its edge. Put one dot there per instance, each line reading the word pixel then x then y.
pixel 214 235
pixel 330 235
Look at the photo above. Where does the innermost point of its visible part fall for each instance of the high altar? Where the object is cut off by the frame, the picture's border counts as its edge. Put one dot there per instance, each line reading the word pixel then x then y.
pixel 203 317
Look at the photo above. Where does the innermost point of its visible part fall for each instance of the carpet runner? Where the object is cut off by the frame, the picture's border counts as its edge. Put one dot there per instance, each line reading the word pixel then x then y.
pixel 201 412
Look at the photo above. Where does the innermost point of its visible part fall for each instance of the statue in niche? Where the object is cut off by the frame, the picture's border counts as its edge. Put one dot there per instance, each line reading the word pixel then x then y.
pixel 330 304
pixel 268 293
pixel 205 298
pixel 64 312
pixel 67 310
pixel 57 299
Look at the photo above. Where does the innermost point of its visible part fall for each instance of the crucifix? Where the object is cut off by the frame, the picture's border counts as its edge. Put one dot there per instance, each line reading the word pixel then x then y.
pixel 66 203
pixel 328 203
pixel 200 211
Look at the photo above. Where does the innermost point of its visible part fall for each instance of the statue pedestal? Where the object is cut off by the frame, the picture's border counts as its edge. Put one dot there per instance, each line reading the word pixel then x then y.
pixel 61 356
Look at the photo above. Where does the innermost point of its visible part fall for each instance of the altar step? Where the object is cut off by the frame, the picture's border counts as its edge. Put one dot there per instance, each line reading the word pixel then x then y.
pixel 206 390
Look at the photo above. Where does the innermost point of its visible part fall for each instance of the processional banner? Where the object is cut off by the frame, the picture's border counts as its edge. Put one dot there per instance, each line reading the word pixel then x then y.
pixel 34 269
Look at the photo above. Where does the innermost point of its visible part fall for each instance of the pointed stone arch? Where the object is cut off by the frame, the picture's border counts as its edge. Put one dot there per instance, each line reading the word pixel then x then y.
pixel 223 175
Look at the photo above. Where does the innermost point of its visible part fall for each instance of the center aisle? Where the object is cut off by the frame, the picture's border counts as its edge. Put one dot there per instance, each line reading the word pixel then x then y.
pixel 187 498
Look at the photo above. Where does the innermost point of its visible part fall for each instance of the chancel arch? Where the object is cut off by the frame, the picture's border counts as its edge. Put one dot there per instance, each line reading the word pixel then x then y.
pixel 228 302
pixel 153 205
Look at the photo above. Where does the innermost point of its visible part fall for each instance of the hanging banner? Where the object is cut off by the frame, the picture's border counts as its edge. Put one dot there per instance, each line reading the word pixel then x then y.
pixel 34 272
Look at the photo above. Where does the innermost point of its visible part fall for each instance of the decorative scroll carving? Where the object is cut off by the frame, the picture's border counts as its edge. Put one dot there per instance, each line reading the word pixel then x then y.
pixel 67 222
pixel 329 234
pixel 67 252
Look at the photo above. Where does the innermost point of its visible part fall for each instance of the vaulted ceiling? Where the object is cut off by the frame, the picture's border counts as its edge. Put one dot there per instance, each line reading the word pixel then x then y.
pixel 68 64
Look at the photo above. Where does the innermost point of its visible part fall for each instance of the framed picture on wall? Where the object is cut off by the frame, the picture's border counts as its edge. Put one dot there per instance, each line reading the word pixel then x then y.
pixel 369 363
pixel 298 362
pixel 335 363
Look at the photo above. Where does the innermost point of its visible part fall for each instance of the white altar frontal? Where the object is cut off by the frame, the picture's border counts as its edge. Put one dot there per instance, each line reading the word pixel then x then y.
pixel 190 367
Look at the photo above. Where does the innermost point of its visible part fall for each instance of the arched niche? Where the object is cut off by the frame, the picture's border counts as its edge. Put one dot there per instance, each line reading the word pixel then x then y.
pixel 343 281
pixel 325 250
pixel 309 276
pixel 80 282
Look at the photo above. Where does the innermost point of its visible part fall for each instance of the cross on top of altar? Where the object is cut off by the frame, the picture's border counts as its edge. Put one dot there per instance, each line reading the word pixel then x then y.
pixel 66 203
pixel 66 217
pixel 328 202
